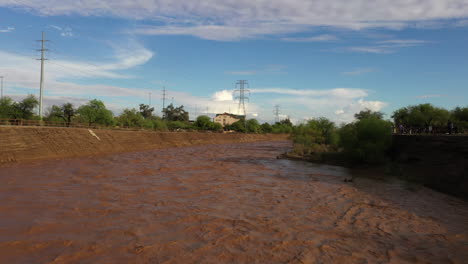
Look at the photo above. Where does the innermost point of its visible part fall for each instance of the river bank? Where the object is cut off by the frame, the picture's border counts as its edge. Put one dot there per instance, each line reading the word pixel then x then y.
pixel 439 162
pixel 22 144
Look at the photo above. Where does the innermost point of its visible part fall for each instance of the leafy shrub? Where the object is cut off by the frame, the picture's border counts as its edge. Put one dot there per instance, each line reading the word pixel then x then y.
pixel 366 140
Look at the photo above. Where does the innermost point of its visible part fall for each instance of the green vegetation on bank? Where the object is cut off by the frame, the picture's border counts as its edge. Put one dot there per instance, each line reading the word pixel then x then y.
pixel 95 113
pixel 368 139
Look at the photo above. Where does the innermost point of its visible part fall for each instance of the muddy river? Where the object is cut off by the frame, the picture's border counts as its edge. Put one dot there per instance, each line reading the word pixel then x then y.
pixel 233 203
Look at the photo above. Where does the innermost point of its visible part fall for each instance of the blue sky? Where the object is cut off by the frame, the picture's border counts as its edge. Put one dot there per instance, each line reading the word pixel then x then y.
pixel 313 58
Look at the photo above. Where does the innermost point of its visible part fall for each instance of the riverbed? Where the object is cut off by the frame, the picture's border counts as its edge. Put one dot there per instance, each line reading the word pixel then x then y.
pixel 229 203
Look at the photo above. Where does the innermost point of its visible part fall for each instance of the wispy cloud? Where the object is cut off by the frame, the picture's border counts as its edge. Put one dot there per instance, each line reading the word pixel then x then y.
pixel 64 31
pixel 369 49
pixel 359 71
pixel 6 30
pixel 384 46
pixel 241 72
pixel 320 38
pixel 337 92
pixel 222 20
pixel 426 96
pixel 404 41
pixel 268 69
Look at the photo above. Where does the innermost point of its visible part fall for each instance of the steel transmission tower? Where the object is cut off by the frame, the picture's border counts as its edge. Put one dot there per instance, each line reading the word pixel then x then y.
pixel 164 102
pixel 42 59
pixel 241 97
pixel 277 112
pixel 1 93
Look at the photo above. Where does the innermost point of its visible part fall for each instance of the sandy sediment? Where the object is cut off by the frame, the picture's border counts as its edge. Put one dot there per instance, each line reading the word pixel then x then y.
pixel 34 143
pixel 231 203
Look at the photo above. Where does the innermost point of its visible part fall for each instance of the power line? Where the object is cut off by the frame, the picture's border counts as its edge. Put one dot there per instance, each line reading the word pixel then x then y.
pixel 42 59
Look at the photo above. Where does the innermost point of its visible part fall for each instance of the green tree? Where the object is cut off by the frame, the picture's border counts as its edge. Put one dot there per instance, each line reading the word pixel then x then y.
pixel 95 112
pixel 266 128
pixel 367 113
pixel 172 113
pixel 401 116
pixel 204 122
pixel 63 113
pixel 422 115
pixel 253 126
pixel 146 111
pixel 237 126
pixel 131 118
pixel 317 135
pixel 459 116
pixel 25 108
pixel 286 122
pixel 6 108
pixel 366 140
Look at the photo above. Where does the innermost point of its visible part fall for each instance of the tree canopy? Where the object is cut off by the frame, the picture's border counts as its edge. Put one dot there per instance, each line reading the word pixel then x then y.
pixel 146 111
pixel 95 112
pixel 172 113
pixel 367 113
pixel 422 115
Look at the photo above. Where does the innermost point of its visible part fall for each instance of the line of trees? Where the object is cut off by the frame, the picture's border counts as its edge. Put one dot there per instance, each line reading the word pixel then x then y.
pixel 95 113
pixel 419 118
pixel 368 138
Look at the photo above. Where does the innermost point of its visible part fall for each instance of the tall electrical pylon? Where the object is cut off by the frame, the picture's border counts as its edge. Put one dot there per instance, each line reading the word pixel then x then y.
pixel 164 102
pixel 241 97
pixel 1 91
pixel 42 59
pixel 277 112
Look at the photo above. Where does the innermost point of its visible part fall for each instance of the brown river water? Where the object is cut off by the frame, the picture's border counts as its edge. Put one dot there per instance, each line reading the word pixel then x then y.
pixel 233 203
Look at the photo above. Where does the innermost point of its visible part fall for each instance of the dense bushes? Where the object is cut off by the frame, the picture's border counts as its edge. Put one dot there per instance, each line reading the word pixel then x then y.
pixel 366 140
pixel 317 135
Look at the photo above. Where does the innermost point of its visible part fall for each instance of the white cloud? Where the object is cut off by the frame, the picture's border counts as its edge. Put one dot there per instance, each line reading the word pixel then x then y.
pixel 404 41
pixel 268 69
pixel 64 31
pixel 24 74
pixel 224 95
pixel 339 104
pixel 337 92
pixel 426 96
pixel 320 38
pixel 234 20
pixel 241 72
pixel 6 30
pixel 66 34
pixel 385 46
pixel 221 32
pixel 26 68
pixel 375 50
pixel 346 114
pixel 359 71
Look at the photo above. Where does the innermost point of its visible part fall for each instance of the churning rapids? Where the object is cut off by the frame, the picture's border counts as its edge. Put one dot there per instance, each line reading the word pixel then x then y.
pixel 233 203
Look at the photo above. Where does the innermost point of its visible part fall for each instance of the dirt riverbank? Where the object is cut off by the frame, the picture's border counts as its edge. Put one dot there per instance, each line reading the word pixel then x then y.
pixel 35 143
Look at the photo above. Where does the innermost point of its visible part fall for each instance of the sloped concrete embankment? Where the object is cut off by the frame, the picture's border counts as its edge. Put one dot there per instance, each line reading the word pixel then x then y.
pixel 439 162
pixel 35 143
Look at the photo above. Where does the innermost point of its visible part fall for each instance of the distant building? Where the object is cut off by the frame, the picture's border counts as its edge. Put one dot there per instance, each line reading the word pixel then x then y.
pixel 226 119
